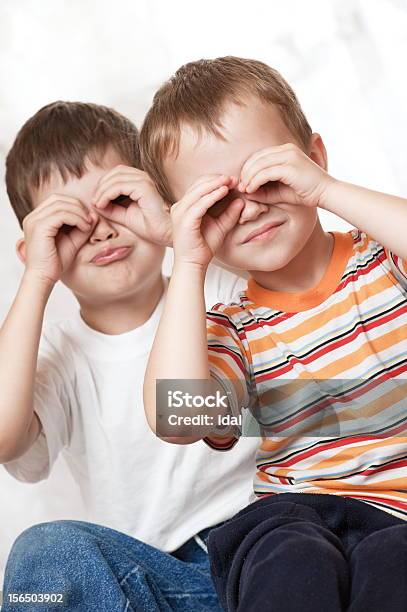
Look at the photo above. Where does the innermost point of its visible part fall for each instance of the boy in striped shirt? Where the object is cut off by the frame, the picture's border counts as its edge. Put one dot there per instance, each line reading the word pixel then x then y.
pixel 316 347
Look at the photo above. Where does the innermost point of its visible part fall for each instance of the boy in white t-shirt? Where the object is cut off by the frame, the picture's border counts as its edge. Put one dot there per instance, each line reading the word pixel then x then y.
pixel 93 220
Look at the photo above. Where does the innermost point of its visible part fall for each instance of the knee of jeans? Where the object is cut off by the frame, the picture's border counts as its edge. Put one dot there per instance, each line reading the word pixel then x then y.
pixel 46 539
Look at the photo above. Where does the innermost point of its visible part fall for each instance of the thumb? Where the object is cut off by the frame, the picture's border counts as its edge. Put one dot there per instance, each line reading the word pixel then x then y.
pixel 273 192
pixel 77 237
pixel 266 194
pixel 113 212
pixel 230 216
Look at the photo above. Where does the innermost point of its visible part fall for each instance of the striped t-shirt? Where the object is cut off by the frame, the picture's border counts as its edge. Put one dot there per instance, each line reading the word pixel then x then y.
pixel 325 374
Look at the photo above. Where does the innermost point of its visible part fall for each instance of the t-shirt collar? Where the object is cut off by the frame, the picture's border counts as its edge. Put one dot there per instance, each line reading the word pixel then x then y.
pixel 117 347
pixel 297 302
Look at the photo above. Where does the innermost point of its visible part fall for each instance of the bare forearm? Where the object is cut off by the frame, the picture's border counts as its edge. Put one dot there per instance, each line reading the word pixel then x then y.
pixel 19 341
pixel 382 216
pixel 180 345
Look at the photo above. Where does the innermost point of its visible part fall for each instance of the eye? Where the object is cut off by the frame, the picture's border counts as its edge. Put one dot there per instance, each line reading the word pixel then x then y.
pixel 220 206
pixel 65 229
pixel 122 200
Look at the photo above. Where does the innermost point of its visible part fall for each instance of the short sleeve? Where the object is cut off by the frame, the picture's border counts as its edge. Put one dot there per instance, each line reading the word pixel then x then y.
pixel 398 267
pixel 229 362
pixel 222 285
pixel 52 408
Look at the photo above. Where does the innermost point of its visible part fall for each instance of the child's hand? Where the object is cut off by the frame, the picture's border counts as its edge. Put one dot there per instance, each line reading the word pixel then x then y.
pixel 54 232
pixel 284 174
pixel 142 209
pixel 196 235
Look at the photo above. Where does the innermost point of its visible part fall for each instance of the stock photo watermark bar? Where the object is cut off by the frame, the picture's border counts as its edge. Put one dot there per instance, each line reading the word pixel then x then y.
pixel 283 407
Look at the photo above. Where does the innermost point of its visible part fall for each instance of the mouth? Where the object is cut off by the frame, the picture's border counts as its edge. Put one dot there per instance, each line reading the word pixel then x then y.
pixel 263 232
pixel 107 256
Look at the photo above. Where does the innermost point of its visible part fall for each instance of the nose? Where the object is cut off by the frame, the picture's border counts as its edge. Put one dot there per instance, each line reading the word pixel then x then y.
pixel 102 231
pixel 251 210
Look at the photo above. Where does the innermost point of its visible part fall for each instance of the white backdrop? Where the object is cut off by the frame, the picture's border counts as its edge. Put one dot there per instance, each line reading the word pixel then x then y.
pixel 343 57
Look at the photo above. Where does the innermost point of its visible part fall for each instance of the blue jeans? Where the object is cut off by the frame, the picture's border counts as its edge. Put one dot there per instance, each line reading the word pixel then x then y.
pixel 101 570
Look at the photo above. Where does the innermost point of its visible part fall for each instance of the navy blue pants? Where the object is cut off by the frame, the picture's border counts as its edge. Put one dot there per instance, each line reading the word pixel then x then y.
pixel 306 552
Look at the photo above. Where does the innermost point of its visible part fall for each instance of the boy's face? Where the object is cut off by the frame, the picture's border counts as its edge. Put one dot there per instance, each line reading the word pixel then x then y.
pixel 246 129
pixel 103 281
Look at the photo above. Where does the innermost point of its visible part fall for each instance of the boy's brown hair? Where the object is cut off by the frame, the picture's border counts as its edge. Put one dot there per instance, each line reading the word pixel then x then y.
pixel 196 96
pixel 61 137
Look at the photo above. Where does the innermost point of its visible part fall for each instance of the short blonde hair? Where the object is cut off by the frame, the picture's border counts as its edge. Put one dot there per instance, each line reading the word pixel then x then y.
pixel 196 96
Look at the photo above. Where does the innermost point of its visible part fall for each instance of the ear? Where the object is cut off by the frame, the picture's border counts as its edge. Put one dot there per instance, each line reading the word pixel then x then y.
pixel 20 249
pixel 317 151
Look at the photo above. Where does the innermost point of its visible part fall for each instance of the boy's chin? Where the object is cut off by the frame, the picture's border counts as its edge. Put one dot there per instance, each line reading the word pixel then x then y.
pixel 104 293
pixel 263 262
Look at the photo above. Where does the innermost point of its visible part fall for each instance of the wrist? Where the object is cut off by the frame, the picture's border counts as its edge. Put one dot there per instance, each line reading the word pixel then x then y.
pixel 166 239
pixel 190 268
pixel 38 282
pixel 329 194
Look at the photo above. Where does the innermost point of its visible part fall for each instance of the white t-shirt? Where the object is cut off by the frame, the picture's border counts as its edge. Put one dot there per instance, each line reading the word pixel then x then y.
pixel 88 396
